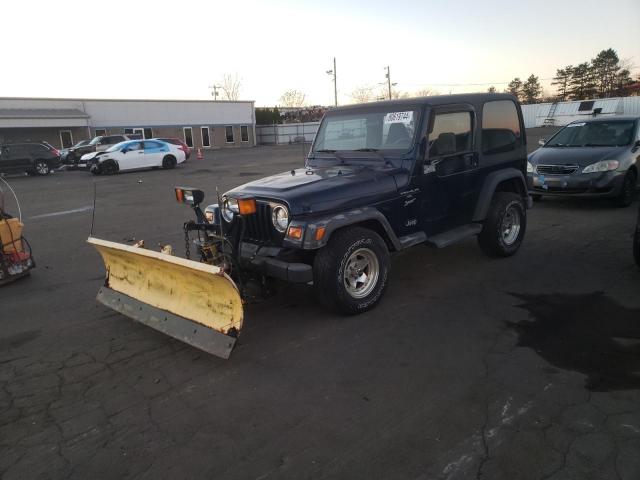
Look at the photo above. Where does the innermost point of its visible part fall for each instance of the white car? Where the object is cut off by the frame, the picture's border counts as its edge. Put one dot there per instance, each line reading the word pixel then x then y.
pixel 133 155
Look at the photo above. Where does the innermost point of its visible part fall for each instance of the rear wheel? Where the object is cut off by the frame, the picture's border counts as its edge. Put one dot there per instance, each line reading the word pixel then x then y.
pixel 41 167
pixel 505 225
pixel 350 272
pixel 169 162
pixel 628 189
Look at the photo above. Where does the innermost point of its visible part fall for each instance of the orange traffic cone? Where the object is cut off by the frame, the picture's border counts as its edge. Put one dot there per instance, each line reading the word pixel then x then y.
pixel 200 156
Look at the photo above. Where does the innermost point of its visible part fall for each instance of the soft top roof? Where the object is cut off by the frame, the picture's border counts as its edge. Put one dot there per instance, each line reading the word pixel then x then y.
pixel 472 98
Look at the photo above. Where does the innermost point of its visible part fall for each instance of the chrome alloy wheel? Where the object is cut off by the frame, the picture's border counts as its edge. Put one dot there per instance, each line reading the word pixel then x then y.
pixel 511 223
pixel 361 273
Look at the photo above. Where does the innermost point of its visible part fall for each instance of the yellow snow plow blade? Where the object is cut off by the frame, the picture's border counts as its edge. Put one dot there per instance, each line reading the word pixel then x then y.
pixel 190 301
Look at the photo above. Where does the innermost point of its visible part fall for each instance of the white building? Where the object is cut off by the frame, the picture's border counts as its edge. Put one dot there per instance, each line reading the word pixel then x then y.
pixel 63 122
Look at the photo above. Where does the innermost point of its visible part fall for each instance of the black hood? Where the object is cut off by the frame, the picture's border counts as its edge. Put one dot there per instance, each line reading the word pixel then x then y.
pixel 313 190
pixel 581 156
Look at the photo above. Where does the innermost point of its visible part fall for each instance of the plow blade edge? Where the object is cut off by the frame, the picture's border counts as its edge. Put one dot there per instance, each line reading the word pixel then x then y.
pixel 190 301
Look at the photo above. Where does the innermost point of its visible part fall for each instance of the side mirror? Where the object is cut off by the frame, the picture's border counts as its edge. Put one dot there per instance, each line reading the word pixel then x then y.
pixel 124 150
pixel 636 145
pixel 542 141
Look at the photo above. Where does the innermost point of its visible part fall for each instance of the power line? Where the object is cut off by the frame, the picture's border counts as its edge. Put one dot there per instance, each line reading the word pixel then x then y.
pixel 464 84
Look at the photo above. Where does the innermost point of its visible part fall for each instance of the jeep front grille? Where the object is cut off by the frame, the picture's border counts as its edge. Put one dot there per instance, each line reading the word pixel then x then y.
pixel 259 227
pixel 557 169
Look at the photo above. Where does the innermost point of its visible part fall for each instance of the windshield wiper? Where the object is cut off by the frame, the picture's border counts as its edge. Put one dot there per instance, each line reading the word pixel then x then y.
pixel 372 150
pixel 332 152
pixel 596 145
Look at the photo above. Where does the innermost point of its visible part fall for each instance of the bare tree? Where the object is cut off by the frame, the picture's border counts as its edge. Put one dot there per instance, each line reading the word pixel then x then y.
pixel 362 94
pixel 293 98
pixel 425 92
pixel 230 86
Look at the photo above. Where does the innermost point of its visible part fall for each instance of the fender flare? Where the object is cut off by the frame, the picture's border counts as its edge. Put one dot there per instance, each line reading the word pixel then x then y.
pixel 333 222
pixel 489 187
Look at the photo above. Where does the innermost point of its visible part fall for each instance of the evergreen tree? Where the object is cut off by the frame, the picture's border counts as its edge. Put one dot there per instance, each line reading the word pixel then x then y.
pixel 605 69
pixel 515 88
pixel 531 89
pixel 581 85
pixel 563 79
pixel 492 89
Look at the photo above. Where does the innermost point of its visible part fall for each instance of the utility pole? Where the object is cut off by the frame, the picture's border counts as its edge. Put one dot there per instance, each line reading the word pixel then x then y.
pixel 334 73
pixel 389 84
pixel 215 91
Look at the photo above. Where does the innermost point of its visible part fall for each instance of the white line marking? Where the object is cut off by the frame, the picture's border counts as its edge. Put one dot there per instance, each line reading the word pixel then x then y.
pixel 64 212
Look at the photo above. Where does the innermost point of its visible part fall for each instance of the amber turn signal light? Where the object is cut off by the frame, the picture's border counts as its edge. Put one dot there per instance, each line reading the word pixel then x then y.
pixel 295 232
pixel 247 206
pixel 179 195
pixel 320 233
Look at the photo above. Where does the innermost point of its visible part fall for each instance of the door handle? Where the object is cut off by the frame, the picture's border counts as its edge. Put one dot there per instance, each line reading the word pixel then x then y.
pixel 471 159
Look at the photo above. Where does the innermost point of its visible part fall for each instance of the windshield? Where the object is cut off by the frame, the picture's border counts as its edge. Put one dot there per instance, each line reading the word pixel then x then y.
pixel 594 134
pixel 391 128
pixel 116 147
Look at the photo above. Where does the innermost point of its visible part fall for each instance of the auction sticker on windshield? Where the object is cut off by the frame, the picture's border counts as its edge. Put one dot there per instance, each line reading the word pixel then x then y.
pixel 576 125
pixel 396 117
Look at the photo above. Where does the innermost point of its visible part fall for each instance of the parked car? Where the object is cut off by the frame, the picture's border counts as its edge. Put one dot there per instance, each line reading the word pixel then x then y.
pixel 33 158
pixel 636 241
pixel 176 141
pixel 97 144
pixel 65 151
pixel 595 157
pixel 133 155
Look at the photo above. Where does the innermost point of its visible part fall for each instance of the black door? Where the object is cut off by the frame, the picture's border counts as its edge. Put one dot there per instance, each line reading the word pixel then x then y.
pixel 450 170
pixel 17 157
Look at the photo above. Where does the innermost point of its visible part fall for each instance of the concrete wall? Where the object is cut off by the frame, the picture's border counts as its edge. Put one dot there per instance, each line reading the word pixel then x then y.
pixel 286 133
pixel 567 112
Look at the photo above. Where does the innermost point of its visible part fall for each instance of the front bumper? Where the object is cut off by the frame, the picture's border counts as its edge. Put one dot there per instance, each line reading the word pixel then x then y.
pixel 268 262
pixel 605 184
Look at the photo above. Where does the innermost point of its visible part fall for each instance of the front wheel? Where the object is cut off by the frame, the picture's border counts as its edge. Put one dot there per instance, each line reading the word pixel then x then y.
pixel 350 272
pixel 505 225
pixel 628 189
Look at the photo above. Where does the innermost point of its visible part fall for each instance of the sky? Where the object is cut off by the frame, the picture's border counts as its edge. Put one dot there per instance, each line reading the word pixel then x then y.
pixel 149 49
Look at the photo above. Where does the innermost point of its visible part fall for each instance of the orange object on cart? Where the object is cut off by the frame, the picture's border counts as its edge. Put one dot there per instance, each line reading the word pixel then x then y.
pixel 11 235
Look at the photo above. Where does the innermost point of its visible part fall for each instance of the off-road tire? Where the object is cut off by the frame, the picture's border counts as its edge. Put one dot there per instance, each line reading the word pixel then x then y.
pixel 330 264
pixel 627 190
pixel 169 162
pixel 41 167
pixel 492 239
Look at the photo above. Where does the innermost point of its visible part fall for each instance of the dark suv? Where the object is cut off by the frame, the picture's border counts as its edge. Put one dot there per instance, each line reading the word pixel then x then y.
pixel 99 144
pixel 380 178
pixel 33 158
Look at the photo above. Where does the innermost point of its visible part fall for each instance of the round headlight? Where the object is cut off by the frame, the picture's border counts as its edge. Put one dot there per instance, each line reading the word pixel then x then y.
pixel 229 209
pixel 280 218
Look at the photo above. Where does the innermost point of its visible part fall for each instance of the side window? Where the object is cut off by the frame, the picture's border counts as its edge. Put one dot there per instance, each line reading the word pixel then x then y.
pixel 500 127
pixel 152 145
pixel 228 131
pixel 451 134
pixel 134 146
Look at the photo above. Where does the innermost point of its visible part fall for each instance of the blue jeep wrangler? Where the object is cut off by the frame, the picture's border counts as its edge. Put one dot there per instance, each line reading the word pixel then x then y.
pixel 379 178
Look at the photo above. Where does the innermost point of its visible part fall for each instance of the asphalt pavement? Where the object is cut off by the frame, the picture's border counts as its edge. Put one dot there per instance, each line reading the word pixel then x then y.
pixel 470 367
